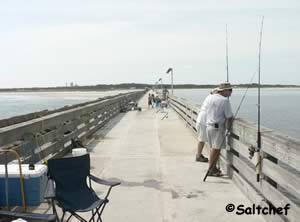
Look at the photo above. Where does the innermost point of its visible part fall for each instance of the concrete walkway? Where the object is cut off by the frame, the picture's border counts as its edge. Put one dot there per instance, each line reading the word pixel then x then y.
pixel 161 182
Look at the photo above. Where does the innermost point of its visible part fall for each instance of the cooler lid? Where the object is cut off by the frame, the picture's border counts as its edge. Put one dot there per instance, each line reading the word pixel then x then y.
pixel 13 170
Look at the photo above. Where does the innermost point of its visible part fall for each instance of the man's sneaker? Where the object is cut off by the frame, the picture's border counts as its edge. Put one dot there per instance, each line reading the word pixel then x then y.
pixel 201 158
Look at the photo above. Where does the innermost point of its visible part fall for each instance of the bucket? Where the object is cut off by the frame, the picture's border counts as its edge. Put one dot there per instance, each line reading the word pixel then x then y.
pixel 79 151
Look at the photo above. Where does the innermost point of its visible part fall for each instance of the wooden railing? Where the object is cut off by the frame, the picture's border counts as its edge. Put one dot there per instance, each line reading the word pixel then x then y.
pixel 279 183
pixel 26 117
pixel 50 135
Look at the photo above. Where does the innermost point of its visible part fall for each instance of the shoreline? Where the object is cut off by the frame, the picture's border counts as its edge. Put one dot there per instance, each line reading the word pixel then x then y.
pixel 77 93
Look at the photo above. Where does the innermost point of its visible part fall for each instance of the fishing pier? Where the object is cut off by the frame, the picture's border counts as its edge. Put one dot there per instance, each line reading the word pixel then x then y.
pixel 152 153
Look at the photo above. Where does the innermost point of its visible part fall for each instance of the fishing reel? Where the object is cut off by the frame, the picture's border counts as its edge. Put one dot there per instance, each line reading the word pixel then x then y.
pixel 251 150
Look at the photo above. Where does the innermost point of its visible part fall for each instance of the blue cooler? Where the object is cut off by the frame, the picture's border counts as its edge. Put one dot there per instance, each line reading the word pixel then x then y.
pixel 34 184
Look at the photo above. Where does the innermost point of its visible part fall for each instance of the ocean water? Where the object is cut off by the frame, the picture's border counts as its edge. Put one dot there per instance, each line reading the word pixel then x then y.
pixel 280 107
pixel 19 103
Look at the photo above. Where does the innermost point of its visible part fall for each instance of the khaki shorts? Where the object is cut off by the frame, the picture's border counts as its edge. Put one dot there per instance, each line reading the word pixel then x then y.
pixel 216 137
pixel 202 137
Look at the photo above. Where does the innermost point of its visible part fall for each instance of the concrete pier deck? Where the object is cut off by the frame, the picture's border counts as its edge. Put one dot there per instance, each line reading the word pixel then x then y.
pixel 161 182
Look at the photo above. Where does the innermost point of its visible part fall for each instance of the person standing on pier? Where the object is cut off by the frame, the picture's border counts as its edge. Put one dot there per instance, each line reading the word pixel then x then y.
pixel 150 100
pixel 219 115
pixel 201 129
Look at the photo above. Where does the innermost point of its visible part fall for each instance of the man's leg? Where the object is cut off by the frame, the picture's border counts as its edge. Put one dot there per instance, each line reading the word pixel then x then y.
pixel 202 137
pixel 213 159
pixel 200 147
pixel 199 156
pixel 217 142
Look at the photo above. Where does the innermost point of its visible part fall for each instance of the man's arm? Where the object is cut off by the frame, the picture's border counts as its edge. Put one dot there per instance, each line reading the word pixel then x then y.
pixel 228 115
pixel 228 123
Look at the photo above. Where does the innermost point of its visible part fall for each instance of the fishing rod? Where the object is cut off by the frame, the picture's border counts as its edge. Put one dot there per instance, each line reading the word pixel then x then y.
pixel 227 56
pixel 257 149
pixel 229 128
pixel 258 165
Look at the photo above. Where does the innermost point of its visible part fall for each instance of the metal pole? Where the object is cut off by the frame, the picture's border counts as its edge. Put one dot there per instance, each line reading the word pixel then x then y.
pixel 168 71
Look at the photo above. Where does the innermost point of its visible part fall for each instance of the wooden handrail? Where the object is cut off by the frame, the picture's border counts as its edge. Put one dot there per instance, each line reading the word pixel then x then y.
pixel 41 138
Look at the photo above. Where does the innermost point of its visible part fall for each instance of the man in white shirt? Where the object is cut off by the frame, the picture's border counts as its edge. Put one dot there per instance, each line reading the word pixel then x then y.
pixel 218 114
pixel 201 129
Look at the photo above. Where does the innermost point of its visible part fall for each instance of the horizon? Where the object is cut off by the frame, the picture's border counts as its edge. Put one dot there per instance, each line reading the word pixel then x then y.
pixel 54 43
pixel 133 85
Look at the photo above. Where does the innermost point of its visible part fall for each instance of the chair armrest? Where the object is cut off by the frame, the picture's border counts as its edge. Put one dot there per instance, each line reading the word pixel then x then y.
pixel 104 182
pixel 28 216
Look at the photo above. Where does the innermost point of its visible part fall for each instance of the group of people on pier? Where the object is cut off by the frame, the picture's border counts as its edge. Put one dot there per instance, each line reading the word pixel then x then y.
pixel 213 120
pixel 157 101
pixel 153 100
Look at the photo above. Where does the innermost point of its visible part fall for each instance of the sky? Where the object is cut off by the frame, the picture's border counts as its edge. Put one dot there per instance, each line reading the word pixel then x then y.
pixel 53 42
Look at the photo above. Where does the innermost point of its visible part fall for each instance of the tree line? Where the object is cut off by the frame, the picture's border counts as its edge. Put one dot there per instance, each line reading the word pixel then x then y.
pixel 122 86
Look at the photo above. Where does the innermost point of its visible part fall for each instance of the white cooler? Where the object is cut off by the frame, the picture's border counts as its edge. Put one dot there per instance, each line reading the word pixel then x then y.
pixel 34 184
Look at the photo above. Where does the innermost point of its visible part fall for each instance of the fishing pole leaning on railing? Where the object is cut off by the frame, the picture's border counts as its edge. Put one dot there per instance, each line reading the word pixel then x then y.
pixel 257 149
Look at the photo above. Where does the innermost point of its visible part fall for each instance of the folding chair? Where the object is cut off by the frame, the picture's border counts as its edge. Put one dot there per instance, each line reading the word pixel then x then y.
pixel 72 193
